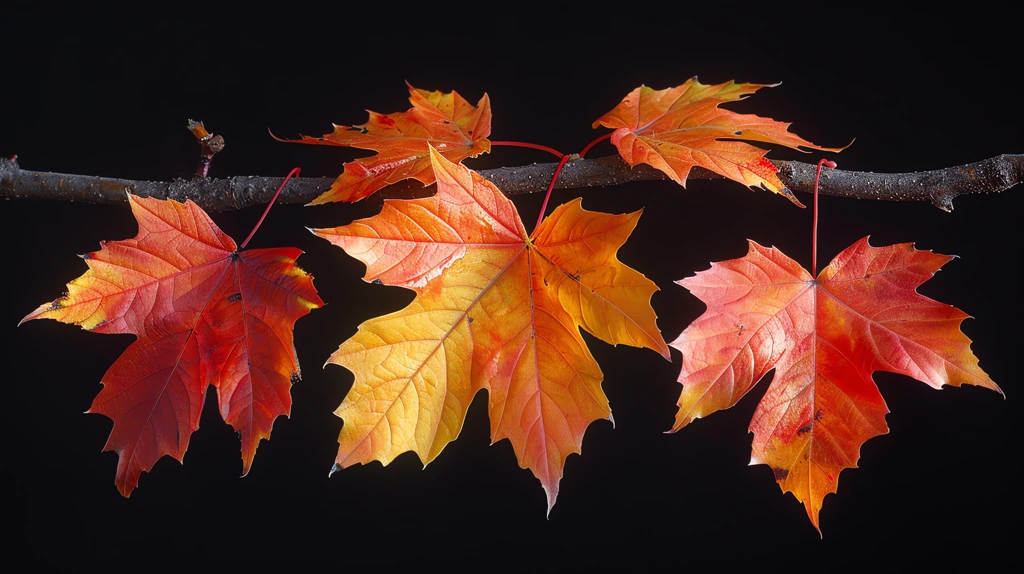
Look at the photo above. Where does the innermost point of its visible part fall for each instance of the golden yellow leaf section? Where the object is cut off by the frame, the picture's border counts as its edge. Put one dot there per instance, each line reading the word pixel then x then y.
pixel 824 339
pixel 495 310
pixel 676 129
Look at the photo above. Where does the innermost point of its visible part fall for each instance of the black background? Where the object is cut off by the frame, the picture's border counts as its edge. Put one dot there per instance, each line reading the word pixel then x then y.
pixel 108 92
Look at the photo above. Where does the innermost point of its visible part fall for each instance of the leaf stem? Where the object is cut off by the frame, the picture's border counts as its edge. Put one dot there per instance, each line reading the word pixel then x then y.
pixel 595 142
pixel 294 171
pixel 814 229
pixel 550 150
pixel 551 186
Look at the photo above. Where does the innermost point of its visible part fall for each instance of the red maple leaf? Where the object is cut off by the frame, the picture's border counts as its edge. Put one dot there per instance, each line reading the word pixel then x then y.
pixel 205 313
pixel 824 338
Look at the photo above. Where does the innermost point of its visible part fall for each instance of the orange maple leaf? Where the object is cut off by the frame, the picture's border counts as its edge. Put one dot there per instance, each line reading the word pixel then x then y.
pixel 446 122
pixel 495 309
pixel 678 128
pixel 205 314
pixel 825 338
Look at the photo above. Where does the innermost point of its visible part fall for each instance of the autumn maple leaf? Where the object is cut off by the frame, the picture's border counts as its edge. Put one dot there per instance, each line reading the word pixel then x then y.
pixel 205 313
pixel 446 122
pixel 824 338
pixel 495 309
pixel 676 129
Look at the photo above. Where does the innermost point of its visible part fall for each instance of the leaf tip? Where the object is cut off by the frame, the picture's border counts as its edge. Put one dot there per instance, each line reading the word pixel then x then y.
pixel 839 149
pixel 277 138
pixel 552 494
pixel 788 194
pixel 334 469
pixel 999 390
pixel 665 351
pixel 435 156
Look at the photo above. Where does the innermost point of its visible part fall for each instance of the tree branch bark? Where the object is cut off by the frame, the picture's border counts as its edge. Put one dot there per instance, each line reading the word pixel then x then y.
pixel 939 186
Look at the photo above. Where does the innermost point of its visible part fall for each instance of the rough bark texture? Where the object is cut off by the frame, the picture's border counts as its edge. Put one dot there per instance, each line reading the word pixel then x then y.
pixel 938 186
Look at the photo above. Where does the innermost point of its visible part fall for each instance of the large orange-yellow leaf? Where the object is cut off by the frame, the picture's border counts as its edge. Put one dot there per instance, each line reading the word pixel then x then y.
pixel 205 314
pixel 446 122
pixel 824 339
pixel 678 128
pixel 494 309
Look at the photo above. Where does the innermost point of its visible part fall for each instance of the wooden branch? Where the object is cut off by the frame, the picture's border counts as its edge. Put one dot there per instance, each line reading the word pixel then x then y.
pixel 939 186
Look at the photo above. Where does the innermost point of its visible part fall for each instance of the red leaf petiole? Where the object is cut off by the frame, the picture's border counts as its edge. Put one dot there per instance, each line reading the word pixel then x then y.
pixel 294 171
pixel 814 230
pixel 595 142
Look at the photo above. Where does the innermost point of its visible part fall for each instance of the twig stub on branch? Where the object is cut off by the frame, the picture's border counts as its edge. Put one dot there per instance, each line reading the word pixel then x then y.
pixel 209 145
